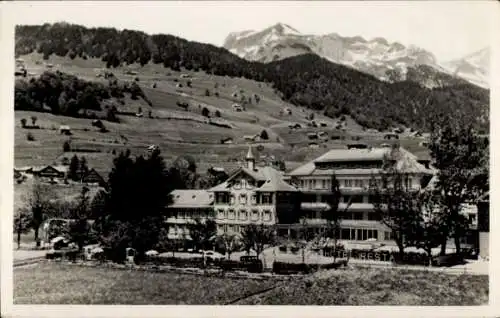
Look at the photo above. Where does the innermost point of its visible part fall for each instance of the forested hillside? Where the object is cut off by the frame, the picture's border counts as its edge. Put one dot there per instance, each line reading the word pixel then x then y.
pixel 305 80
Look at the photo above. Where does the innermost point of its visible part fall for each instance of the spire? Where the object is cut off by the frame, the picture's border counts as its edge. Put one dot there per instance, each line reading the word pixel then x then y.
pixel 250 159
pixel 250 154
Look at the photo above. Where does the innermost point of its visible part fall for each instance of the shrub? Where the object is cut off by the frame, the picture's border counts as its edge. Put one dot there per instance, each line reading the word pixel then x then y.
pixel 217 113
pixel 293 268
pixel 23 122
pixel 30 137
pixel 207 92
pixel 264 135
pixel 205 112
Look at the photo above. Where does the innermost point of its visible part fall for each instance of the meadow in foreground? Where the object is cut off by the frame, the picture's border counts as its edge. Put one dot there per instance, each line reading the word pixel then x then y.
pixel 65 284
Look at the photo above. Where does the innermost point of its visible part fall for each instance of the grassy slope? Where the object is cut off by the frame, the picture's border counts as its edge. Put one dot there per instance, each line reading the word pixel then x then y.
pixel 64 284
pixel 178 137
pixel 379 287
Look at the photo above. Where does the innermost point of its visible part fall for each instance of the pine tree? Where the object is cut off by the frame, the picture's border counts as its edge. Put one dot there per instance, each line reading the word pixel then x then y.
pixel 74 166
pixel 83 169
pixel 79 229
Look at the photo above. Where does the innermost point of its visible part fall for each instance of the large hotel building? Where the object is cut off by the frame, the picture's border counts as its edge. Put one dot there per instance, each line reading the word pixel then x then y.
pixel 264 195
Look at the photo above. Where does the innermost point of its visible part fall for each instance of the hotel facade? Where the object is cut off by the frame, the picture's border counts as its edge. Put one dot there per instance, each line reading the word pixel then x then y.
pixel 354 169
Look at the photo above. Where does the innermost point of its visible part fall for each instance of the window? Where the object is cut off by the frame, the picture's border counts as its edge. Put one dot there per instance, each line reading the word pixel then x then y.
pixel 267 198
pixel 357 215
pixel 359 235
pixel 236 228
pixel 243 214
pixel 409 183
pixel 324 184
pixel 237 184
pixel 472 218
pixel 348 183
pixel 220 228
pixel 231 214
pixel 243 183
pixel 388 236
pixel 357 199
pixel 243 198
pixel 346 234
pixel 254 199
pixel 358 183
pixel 267 215
pixel 182 214
pixel 255 214
pixel 232 199
pixel 310 184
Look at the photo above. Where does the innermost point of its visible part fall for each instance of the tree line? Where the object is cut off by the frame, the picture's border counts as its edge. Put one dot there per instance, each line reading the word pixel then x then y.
pixel 305 80
pixel 68 95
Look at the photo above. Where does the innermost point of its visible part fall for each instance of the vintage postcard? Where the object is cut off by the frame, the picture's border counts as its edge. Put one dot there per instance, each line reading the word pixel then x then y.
pixel 329 156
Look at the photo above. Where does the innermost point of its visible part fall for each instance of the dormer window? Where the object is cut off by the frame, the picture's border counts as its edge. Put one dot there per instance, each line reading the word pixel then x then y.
pixel 237 184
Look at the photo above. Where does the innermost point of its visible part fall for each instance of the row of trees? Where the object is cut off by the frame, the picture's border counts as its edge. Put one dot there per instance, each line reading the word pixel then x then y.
pixel 305 80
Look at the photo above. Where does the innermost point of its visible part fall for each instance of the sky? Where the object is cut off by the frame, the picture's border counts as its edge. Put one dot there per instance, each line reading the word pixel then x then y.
pixel 449 29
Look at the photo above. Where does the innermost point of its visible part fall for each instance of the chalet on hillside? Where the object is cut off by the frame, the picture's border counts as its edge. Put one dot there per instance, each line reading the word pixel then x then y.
pixel 50 172
pixel 226 141
pixel 65 129
pixel 237 107
pixel 93 177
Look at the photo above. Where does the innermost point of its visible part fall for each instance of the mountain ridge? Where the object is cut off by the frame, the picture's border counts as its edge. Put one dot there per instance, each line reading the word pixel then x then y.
pixel 376 56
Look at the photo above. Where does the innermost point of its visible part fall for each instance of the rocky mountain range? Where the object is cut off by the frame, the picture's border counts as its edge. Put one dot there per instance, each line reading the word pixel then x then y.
pixel 379 57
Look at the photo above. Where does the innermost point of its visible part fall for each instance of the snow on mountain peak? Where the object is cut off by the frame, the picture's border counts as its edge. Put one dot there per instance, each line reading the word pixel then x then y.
pixel 376 56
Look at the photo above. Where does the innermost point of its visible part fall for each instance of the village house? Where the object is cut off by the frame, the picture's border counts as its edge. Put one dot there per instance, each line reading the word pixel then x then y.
pixel 50 172
pixel 92 177
pixel 354 169
pixel 65 129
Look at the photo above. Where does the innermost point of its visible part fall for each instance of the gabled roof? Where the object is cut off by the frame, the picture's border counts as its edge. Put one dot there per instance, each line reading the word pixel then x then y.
pixel 273 179
pixel 191 199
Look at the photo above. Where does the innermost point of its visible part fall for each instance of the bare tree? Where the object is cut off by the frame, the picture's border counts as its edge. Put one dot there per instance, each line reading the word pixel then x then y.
pixel 22 224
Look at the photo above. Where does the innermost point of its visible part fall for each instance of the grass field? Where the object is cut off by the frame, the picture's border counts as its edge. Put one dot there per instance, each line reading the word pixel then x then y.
pixel 65 284
pixel 378 287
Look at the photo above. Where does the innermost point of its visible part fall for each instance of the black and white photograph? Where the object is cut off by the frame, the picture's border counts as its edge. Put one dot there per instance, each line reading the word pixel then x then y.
pixel 238 153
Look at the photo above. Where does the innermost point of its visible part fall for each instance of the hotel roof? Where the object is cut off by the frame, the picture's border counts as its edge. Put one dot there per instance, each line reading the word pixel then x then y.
pixel 191 199
pixel 272 178
pixel 404 161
